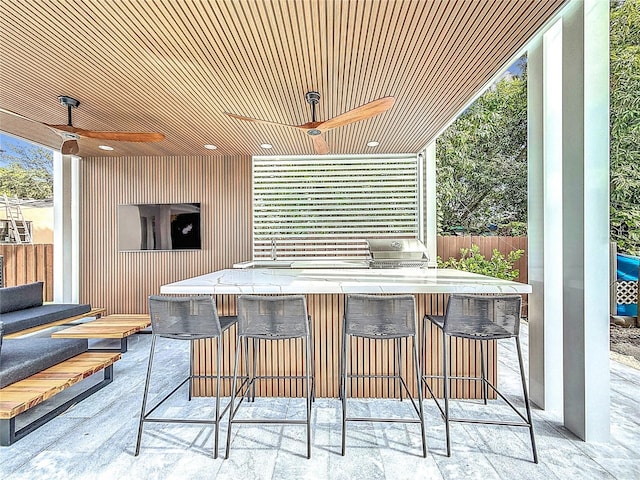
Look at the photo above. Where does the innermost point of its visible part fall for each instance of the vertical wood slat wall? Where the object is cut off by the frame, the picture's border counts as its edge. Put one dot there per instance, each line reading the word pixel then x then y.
pixel 285 357
pixel 29 263
pixel 122 281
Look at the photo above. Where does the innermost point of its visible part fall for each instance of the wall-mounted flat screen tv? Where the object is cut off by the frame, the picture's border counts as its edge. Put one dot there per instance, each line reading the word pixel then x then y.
pixel 159 226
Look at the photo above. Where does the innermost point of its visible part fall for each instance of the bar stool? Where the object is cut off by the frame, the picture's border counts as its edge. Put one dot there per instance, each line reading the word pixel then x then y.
pixel 390 318
pixel 185 318
pixel 480 318
pixel 269 318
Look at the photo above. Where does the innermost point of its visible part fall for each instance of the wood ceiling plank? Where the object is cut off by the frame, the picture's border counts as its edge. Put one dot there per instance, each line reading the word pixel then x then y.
pixel 175 67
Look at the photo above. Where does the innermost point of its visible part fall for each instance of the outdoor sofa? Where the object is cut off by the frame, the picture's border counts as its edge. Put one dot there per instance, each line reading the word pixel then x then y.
pixel 34 369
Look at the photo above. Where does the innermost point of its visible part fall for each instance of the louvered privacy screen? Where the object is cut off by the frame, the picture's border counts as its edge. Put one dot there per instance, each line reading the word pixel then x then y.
pixel 327 207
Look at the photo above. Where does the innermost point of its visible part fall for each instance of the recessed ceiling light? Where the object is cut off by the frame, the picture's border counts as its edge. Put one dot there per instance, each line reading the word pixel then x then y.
pixel 373 144
pixel 210 147
pixel 105 147
pixel 266 145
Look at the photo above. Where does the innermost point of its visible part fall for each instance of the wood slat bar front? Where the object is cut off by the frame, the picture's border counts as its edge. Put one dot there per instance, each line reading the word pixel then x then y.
pixel 326 310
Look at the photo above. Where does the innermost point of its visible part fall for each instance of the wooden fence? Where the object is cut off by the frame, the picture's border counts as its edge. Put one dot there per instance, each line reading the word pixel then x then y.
pixel 30 263
pixel 450 247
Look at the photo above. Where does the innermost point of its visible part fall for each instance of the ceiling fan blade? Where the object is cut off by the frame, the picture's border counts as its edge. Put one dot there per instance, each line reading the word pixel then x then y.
pixel 9 112
pixel 69 147
pixel 256 120
pixel 319 144
pixel 65 128
pixel 117 136
pixel 122 136
pixel 362 112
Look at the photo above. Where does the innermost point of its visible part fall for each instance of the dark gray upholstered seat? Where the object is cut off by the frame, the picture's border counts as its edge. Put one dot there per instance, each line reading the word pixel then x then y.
pixel 20 297
pixel 21 307
pixel 22 357
pixel 36 316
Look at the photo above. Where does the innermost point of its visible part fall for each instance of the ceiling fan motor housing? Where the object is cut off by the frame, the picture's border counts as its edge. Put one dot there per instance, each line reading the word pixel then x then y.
pixel 68 101
pixel 312 97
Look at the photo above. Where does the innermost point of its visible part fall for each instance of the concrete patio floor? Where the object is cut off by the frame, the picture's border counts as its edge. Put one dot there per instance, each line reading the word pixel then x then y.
pixel 96 438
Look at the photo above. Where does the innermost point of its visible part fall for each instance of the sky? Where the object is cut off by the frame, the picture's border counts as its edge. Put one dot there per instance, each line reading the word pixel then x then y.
pixel 5 142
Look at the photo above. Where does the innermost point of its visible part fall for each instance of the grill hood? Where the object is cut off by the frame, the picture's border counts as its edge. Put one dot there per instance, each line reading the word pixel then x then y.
pixel 397 252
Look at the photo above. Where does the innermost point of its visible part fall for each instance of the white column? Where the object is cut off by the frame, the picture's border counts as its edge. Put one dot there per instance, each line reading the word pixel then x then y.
pixel 65 228
pixel 544 76
pixel 429 202
pixel 585 218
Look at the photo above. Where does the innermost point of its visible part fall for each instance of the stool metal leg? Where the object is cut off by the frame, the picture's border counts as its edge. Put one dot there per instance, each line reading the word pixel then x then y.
pixel 398 363
pixel 218 379
pixel 483 374
pixel 146 394
pixel 526 401
pixel 232 412
pixel 420 406
pixel 190 367
pixel 245 356
pixel 254 372
pixel 313 369
pixel 309 394
pixel 345 350
pixel 445 365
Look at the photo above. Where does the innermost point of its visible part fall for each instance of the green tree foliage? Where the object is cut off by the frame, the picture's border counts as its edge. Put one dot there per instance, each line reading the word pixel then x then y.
pixel 482 162
pixel 27 172
pixel 625 125
pixel 471 260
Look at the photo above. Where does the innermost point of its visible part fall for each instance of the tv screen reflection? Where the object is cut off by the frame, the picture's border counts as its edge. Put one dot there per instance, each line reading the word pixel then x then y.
pixel 159 226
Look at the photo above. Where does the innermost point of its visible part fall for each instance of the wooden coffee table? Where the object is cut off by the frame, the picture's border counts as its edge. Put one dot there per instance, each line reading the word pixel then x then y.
pixel 119 326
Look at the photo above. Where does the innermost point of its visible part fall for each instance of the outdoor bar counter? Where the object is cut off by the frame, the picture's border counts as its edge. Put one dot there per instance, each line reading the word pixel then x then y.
pixel 325 290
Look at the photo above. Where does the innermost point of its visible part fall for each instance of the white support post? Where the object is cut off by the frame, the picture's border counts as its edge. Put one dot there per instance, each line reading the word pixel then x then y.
pixel 65 228
pixel 429 202
pixel 585 218
pixel 544 75
pixel 568 96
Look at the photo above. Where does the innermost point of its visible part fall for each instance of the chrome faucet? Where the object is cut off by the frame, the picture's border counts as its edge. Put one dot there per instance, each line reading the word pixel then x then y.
pixel 274 255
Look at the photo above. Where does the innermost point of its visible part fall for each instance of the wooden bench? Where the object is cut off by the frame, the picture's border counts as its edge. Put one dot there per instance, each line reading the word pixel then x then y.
pixel 23 395
pixel 119 326
pixel 94 312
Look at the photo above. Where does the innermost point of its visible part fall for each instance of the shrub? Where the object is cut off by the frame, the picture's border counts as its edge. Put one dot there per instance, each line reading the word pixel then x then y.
pixel 471 260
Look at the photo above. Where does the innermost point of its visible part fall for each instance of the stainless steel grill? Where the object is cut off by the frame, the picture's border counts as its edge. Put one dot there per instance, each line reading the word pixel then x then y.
pixel 397 253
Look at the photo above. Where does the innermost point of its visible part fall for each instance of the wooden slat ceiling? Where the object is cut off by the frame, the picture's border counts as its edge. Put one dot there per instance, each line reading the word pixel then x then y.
pixel 175 66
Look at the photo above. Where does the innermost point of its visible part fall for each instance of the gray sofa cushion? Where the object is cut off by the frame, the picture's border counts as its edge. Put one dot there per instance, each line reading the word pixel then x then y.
pixel 1 335
pixel 35 316
pixel 20 297
pixel 22 357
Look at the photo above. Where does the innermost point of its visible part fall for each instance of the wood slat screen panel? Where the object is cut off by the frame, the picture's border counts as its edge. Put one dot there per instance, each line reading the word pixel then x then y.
pixel 325 207
pixel 367 356
pixel 121 281
pixel 176 67
pixel 29 263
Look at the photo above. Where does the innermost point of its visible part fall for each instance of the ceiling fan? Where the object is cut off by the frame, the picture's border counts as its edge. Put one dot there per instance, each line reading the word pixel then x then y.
pixel 315 129
pixel 70 134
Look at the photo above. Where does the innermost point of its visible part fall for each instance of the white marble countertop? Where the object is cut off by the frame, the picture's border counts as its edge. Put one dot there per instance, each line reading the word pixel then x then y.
pixel 358 280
